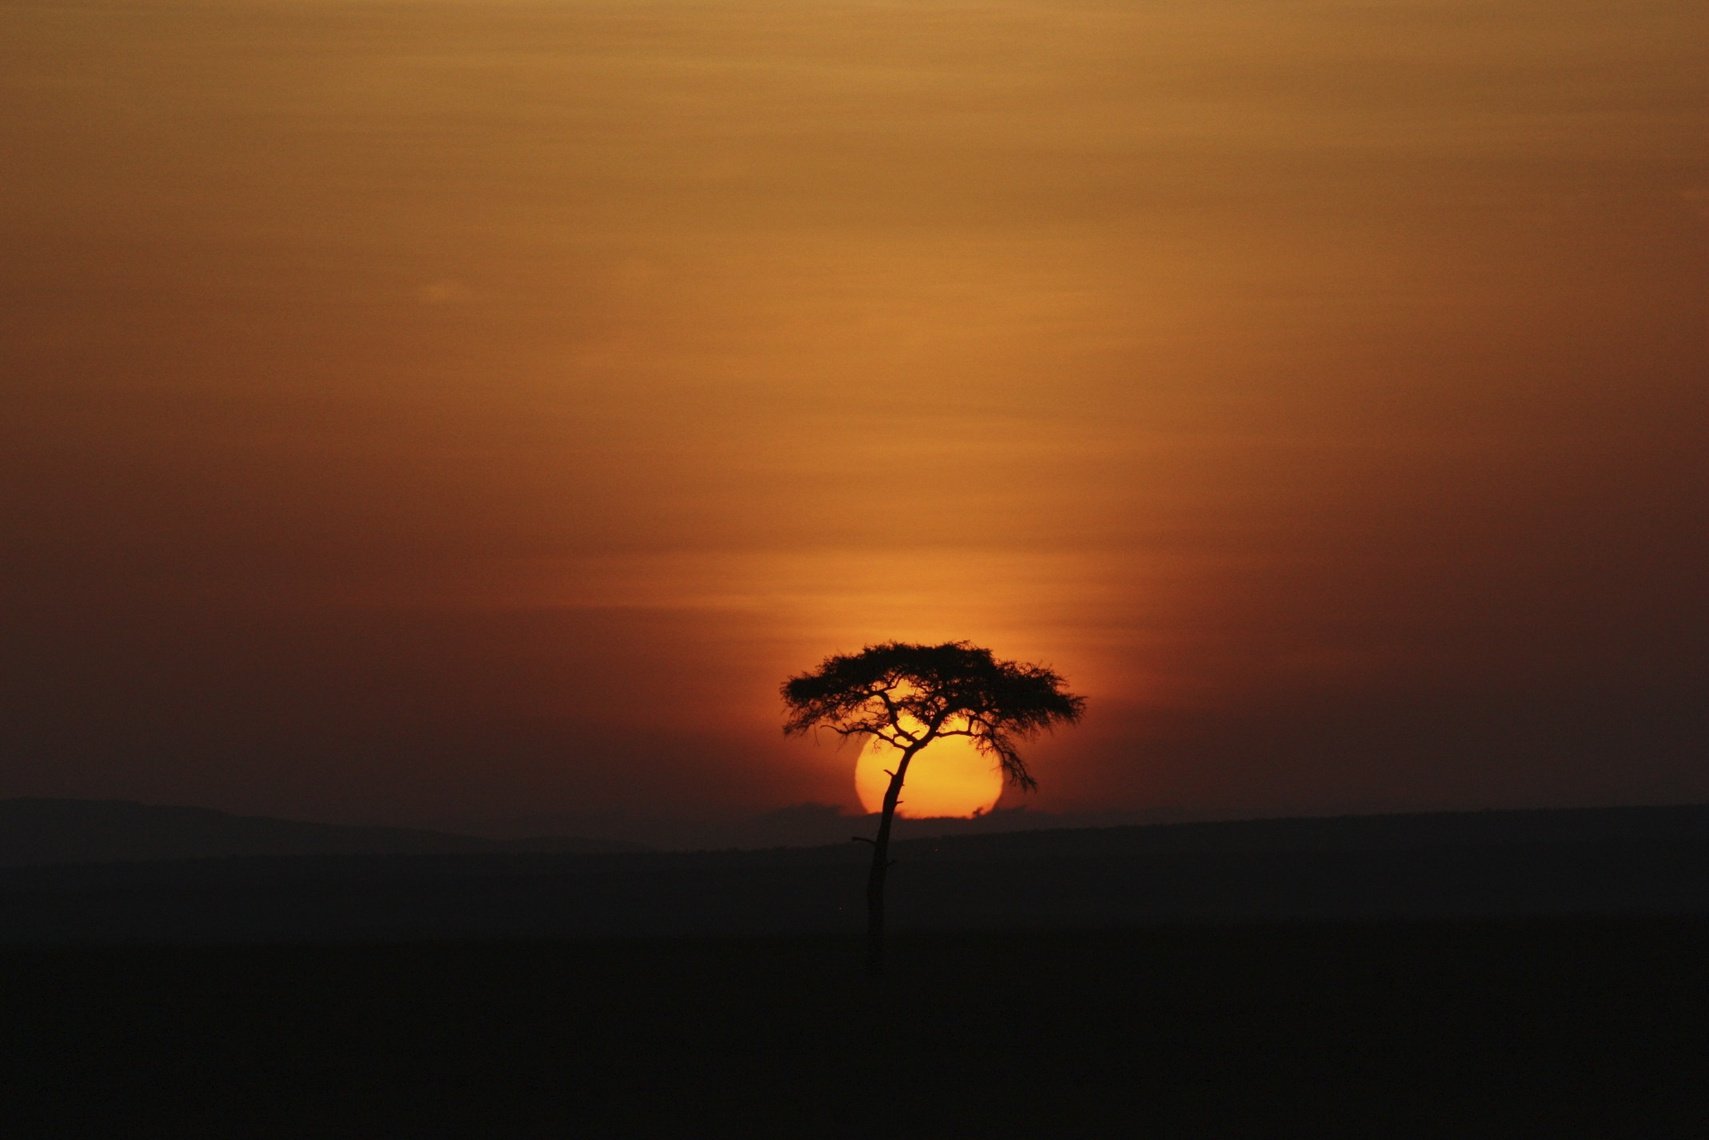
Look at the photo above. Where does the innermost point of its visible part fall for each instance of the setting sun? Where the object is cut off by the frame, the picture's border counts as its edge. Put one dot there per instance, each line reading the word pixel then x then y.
pixel 949 778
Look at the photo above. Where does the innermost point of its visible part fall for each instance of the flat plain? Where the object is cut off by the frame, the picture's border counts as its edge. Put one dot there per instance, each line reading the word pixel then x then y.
pixel 1573 1026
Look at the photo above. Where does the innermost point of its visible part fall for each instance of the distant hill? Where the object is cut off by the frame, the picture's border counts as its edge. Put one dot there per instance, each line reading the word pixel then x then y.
pixel 1499 864
pixel 35 832
pixel 1351 833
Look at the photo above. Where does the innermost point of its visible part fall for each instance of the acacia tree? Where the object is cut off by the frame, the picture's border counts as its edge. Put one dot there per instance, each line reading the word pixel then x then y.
pixel 909 695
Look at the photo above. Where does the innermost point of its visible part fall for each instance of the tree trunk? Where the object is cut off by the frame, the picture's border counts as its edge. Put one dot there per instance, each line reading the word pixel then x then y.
pixel 880 868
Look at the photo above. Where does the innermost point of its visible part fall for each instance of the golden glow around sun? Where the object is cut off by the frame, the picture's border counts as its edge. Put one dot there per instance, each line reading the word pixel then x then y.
pixel 949 777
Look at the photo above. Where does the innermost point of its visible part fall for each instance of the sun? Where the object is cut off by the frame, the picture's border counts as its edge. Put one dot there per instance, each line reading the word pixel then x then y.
pixel 949 777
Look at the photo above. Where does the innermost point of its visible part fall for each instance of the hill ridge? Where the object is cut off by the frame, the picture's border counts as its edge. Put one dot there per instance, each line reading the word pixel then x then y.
pixel 43 830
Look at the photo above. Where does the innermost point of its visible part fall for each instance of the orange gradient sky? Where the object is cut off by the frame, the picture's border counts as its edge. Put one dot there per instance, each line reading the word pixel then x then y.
pixel 468 412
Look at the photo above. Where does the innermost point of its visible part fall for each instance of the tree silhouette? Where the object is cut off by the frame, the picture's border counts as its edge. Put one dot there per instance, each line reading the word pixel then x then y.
pixel 909 695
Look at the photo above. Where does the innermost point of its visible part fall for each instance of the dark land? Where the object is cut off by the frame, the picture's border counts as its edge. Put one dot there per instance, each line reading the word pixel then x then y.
pixel 1496 974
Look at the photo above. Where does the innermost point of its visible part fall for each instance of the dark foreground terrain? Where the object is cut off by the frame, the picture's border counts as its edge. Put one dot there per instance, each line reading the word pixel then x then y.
pixel 1468 1027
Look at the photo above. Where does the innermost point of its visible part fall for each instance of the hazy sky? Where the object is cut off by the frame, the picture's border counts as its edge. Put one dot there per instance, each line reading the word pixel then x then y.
pixel 468 411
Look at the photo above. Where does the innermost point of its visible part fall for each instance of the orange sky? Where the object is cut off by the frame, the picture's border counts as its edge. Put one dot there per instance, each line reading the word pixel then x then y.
pixel 459 411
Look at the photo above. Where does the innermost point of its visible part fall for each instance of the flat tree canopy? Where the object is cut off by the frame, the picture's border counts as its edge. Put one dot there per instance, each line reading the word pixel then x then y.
pixel 908 695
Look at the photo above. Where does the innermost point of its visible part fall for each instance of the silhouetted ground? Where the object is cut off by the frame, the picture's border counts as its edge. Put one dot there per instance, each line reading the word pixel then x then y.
pixel 1543 1027
pixel 1631 861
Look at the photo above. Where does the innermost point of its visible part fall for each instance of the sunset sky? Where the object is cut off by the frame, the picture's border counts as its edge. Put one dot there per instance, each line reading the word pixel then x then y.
pixel 467 412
